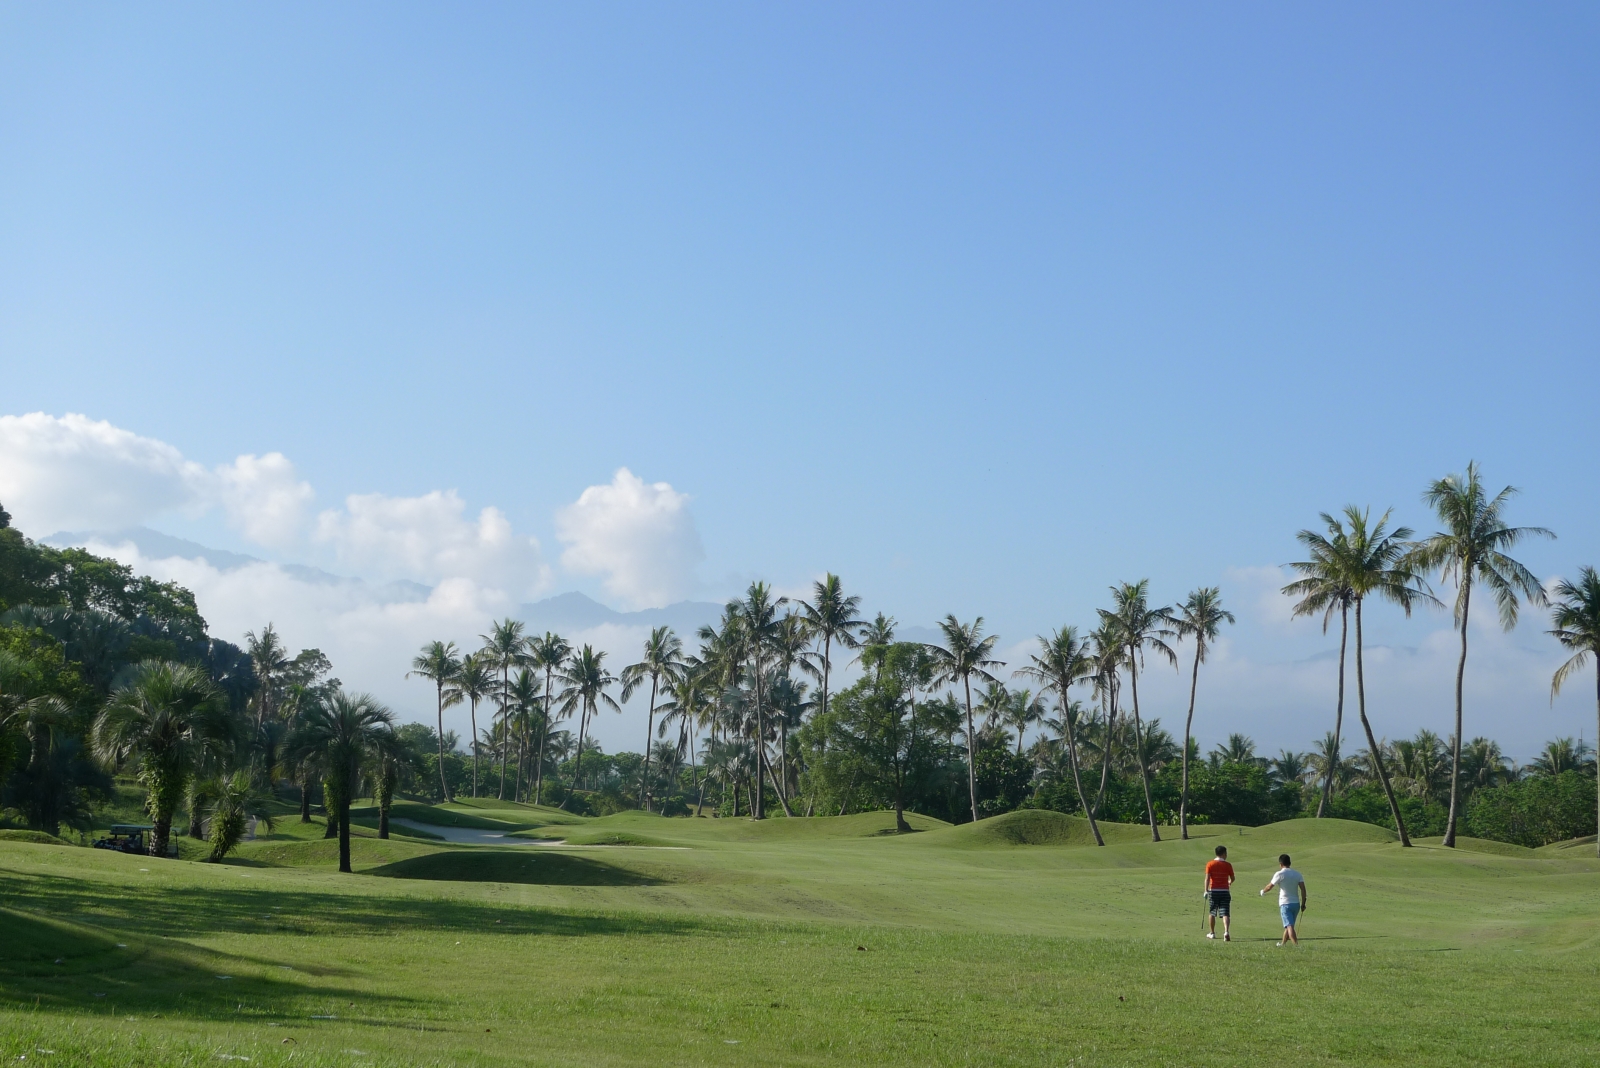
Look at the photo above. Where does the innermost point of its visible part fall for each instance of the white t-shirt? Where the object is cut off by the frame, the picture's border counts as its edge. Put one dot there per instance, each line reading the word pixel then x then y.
pixel 1288 882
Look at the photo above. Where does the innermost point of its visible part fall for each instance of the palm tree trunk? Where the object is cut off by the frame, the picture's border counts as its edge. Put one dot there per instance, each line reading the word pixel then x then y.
pixel 1138 743
pixel 1338 716
pixel 1372 743
pixel 474 706
pixel 1597 736
pixel 577 767
pixel 305 798
pixel 784 801
pixel 544 734
pixel 758 806
pixel 1105 753
pixel 444 784
pixel 1077 779
pixel 344 820
pixel 649 729
pixel 1188 726
pixel 972 754
pixel 1461 672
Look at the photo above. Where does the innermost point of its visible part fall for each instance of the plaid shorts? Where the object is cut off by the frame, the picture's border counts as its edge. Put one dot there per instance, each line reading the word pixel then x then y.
pixel 1221 901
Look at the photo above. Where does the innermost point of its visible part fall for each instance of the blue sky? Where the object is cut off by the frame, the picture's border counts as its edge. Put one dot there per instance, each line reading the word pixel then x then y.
pixel 983 309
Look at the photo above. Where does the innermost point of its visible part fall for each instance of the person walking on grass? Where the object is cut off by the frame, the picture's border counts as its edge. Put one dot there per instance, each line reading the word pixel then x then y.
pixel 1219 893
pixel 1292 899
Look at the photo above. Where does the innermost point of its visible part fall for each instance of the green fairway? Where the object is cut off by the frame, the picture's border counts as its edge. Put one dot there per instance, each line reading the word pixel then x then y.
pixel 822 941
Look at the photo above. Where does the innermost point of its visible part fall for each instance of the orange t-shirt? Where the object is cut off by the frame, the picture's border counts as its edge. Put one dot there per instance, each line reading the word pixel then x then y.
pixel 1219 874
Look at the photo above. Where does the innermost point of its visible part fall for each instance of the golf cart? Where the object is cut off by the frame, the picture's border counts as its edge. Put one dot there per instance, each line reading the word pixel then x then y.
pixel 125 838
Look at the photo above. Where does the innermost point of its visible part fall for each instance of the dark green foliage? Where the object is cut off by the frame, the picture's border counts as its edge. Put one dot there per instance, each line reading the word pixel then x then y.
pixel 1535 811
pixel 1424 817
pixel 1003 778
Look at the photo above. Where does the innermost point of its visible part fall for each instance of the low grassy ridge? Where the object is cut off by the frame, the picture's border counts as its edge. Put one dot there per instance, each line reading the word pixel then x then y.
pixel 795 942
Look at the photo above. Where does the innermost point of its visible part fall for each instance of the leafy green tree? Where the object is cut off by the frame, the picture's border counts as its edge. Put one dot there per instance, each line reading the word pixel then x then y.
pixel 966 654
pixel 235 799
pixel 1200 618
pixel 585 678
pixel 1576 621
pixel 439 662
pixel 348 731
pixel 1141 628
pixel 662 661
pixel 1536 811
pixel 1472 547
pixel 1062 662
pixel 169 716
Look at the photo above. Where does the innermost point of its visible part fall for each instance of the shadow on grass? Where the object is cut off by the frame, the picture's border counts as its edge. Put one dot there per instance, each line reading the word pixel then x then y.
pixel 51 963
pixel 500 866
pixel 180 911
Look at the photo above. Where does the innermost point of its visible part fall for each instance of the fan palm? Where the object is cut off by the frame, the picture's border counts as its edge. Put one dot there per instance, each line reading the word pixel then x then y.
pixel 965 655
pixel 831 616
pixel 1062 662
pixel 235 800
pixel 1377 563
pixel 171 716
pixel 662 661
pixel 1472 547
pixel 1141 628
pixel 585 679
pixel 505 647
pixel 346 730
pixel 1200 617
pixel 474 681
pixel 1323 588
pixel 1576 621
pixel 439 662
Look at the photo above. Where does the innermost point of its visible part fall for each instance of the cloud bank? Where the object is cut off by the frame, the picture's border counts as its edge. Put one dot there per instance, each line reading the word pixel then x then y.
pixel 640 537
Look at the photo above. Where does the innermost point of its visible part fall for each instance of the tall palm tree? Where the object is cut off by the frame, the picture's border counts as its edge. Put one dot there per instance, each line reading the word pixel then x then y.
pixel 1062 662
pixel 831 617
pixel 1022 710
pixel 473 682
pixel 1576 621
pixel 1472 546
pixel 1200 617
pixel 271 663
pixel 505 647
pixel 171 716
pixel 662 661
pixel 1107 657
pixel 1377 564
pixel 585 678
pixel 1142 628
pixel 523 695
pixel 1322 588
pixel 439 662
pixel 759 611
pixel 687 705
pixel 965 655
pixel 550 655
pixel 347 730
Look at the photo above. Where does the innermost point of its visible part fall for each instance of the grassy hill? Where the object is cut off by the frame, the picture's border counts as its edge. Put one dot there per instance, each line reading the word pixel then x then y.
pixel 803 942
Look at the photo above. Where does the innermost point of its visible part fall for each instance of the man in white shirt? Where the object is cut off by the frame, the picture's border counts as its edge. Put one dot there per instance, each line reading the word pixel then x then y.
pixel 1292 898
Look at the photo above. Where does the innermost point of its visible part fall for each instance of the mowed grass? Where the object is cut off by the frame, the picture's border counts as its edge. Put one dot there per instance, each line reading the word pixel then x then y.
pixel 803 942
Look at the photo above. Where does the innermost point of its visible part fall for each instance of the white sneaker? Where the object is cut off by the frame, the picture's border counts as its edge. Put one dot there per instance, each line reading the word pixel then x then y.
pixel 1211 934
pixel 1280 943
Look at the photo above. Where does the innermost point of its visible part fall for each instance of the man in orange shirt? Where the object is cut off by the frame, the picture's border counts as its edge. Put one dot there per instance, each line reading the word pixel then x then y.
pixel 1219 892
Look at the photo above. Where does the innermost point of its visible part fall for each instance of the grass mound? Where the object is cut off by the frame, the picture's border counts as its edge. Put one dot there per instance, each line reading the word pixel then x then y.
pixel 1480 845
pixel 11 834
pixel 1310 833
pixel 1558 848
pixel 457 815
pixel 324 852
pixel 1039 827
pixel 501 866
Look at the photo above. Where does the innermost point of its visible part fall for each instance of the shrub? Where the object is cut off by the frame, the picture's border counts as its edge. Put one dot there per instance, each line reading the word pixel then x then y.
pixel 1535 811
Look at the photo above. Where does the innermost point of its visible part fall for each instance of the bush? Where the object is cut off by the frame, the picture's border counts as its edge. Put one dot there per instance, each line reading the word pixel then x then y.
pixel 1368 805
pixel 1535 811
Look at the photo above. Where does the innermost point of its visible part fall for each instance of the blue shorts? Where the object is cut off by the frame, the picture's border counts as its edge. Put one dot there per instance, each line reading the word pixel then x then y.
pixel 1289 912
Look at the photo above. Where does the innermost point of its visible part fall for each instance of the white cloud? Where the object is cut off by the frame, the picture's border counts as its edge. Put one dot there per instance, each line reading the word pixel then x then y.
pixel 640 536
pixel 430 539
pixel 74 472
pixel 263 499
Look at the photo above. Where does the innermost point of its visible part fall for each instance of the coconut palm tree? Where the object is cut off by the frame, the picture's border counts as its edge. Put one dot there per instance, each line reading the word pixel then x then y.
pixel 662 661
pixel 585 679
pixel 1576 621
pixel 1022 710
pixel 1200 617
pixel 347 730
pixel 523 696
pixel 1562 755
pixel 831 617
pixel 965 655
pixel 504 647
pixel 1062 662
pixel 550 655
pixel 759 612
pixel 473 681
pixel 1377 563
pixel 1322 589
pixel 1142 628
pixel 439 662
pixel 687 706
pixel 1472 546
pixel 1107 655
pixel 170 716
pixel 271 663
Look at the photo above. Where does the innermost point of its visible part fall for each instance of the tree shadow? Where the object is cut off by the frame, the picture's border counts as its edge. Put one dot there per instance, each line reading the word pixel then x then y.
pixel 500 866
